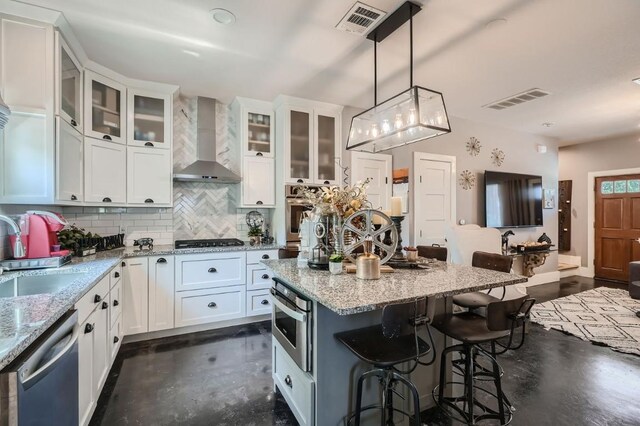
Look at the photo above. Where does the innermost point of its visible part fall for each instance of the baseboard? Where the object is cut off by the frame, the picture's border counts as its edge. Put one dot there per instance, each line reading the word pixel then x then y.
pixel 537 279
pixel 571 260
pixel 584 271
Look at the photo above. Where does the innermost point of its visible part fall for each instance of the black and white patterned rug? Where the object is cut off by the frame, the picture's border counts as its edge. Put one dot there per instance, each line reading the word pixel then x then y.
pixel 605 316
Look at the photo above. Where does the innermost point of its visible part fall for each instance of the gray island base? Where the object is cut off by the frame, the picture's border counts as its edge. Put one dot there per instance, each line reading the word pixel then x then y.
pixel 325 395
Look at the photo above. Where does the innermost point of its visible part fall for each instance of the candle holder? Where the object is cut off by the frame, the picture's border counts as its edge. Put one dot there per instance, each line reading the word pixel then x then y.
pixel 398 256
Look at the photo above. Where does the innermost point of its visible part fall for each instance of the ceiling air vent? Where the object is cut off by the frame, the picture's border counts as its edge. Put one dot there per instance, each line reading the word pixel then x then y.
pixel 360 18
pixel 520 98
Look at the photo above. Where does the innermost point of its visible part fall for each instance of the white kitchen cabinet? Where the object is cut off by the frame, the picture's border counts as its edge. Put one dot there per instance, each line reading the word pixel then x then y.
pixel 104 108
pixel 209 305
pixel 258 302
pixel 258 182
pixel 68 79
pixel 69 164
pixel 149 176
pixel 161 292
pixel 255 126
pixel 310 133
pixel 115 338
pixel 296 386
pixel 105 172
pixel 87 396
pixel 101 350
pixel 136 295
pixel 149 116
pixel 210 270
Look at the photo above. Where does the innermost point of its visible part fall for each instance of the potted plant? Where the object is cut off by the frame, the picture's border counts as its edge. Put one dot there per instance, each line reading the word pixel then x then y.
pixel 255 235
pixel 335 263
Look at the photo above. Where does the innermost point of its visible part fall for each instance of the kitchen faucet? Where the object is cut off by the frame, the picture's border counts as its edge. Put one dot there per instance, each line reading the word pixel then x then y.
pixel 18 248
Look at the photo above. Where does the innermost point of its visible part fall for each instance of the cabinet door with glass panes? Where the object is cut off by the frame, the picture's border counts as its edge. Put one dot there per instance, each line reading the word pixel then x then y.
pixel 259 132
pixel 104 112
pixel 299 146
pixel 68 85
pixel 327 147
pixel 149 119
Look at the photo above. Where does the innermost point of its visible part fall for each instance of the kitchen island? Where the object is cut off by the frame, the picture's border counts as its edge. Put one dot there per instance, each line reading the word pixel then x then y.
pixel 325 394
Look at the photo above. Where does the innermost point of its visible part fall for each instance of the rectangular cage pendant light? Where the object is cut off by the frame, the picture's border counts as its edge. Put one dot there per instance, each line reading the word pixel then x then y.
pixel 413 115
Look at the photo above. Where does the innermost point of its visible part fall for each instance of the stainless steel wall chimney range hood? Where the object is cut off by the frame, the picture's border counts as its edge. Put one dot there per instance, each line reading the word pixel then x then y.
pixel 206 168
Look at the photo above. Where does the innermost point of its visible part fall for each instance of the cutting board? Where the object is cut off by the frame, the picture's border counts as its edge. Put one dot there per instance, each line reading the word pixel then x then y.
pixel 351 269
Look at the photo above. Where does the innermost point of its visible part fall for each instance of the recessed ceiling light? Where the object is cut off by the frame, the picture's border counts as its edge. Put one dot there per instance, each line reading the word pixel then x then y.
pixel 223 16
pixel 496 23
pixel 547 124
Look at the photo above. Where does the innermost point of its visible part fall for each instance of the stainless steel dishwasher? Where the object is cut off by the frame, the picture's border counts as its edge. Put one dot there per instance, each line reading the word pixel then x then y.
pixel 40 387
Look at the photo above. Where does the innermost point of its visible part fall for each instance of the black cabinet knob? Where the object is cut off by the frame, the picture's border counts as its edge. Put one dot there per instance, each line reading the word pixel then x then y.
pixel 264 302
pixel 265 276
pixel 97 298
pixel 105 305
pixel 212 270
pixel 300 181
pixel 107 137
pixel 288 381
pixel 73 197
pixel 212 304
pixel 88 328
pixel 258 154
pixel 116 303
pixel 326 182
pixel 161 260
pixel 148 144
pixel 265 256
pixel 73 123
pixel 259 203
pixel 148 201
pixel 116 339
pixel 106 200
pixel 116 274
pixel 123 264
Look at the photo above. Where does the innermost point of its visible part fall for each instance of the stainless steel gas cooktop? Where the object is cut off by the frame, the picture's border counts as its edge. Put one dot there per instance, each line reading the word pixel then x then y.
pixel 216 242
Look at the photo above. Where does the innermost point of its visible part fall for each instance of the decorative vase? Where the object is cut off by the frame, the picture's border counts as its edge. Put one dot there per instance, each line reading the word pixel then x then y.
pixel 335 268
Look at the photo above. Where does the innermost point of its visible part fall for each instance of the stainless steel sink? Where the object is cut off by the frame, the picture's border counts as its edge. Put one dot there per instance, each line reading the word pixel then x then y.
pixel 37 284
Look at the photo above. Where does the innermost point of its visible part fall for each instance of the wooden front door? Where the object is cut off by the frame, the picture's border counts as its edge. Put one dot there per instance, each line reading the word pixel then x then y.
pixel 617 226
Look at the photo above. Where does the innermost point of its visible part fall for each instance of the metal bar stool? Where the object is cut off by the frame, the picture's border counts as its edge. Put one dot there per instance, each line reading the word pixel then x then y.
pixel 385 346
pixel 433 252
pixel 493 261
pixel 503 319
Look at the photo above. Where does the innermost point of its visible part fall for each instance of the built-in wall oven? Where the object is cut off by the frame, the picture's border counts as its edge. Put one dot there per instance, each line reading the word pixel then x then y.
pixel 292 323
pixel 295 211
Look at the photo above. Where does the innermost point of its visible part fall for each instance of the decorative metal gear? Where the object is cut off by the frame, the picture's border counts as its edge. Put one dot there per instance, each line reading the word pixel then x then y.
pixel 359 227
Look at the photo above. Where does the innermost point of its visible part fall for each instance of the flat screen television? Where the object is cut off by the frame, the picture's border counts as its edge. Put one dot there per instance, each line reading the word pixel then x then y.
pixel 512 200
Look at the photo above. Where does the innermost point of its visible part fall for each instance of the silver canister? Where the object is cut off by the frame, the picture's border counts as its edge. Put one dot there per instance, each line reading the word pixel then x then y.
pixel 368 264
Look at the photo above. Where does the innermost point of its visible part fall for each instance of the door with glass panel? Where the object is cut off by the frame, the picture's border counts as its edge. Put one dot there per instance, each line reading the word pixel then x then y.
pixel 149 119
pixel 104 108
pixel 259 131
pixel 617 226
pixel 68 85
pixel 327 147
pixel 298 158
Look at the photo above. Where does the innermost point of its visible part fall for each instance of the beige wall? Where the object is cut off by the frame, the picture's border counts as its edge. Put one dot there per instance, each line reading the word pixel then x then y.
pixel 576 161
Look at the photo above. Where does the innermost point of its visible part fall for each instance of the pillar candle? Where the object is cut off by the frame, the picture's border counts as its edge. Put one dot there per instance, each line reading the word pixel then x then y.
pixel 377 220
pixel 396 206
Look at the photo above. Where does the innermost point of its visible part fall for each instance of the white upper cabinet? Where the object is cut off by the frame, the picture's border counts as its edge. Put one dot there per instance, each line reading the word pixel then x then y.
pixel 105 172
pixel 255 126
pixel 149 119
pixel 149 176
pixel 104 108
pixel 327 146
pixel 68 77
pixel 69 164
pixel 258 182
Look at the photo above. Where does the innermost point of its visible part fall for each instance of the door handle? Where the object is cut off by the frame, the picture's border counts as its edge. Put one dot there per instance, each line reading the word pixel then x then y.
pixel 265 256
pixel 116 303
pixel 259 203
pixel 116 339
pixel 106 200
pixel 73 123
pixel 258 154
pixel 212 304
pixel 161 260
pixel 97 298
pixel 287 310
pixel 212 270
pixel 73 197
pixel 264 302
pixel 265 276
pixel 105 305
pixel 149 201
pixel 116 274
pixel 88 328
pixel 300 181
pixel 148 144
pixel 107 137
pixel 326 182
pixel 288 381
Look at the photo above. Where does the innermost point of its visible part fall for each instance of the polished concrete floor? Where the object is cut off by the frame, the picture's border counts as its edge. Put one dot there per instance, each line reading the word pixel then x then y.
pixel 223 377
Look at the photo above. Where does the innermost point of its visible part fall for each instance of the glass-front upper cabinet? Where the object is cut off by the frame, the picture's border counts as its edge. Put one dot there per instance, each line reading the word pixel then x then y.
pixel 300 146
pixel 104 108
pixel 68 84
pixel 255 126
pixel 149 119
pixel 327 148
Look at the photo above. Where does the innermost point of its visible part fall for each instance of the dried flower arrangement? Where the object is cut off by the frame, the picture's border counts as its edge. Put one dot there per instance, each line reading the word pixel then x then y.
pixel 345 200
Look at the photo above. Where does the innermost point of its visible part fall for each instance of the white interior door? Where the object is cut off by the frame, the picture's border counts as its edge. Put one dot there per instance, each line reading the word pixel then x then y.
pixel 434 197
pixel 377 168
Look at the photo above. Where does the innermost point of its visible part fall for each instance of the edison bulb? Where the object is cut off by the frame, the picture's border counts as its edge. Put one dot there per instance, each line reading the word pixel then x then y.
pixel 374 130
pixel 398 122
pixel 412 116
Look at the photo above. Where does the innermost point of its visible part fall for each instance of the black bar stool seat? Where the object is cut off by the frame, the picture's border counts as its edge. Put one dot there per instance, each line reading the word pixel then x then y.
pixel 366 344
pixel 494 262
pixel 469 328
pixel 474 300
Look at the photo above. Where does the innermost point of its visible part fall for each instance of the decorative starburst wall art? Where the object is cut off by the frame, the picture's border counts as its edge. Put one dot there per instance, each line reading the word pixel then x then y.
pixel 467 180
pixel 497 157
pixel 473 146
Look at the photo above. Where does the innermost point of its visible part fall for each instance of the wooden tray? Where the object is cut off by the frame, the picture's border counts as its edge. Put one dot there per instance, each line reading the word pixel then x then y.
pixel 351 269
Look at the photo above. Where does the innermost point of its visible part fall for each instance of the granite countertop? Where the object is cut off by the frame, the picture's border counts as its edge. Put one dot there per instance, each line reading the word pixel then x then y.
pixel 23 319
pixel 345 294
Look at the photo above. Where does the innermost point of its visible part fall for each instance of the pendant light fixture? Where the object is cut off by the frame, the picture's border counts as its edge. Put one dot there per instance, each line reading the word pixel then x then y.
pixel 410 116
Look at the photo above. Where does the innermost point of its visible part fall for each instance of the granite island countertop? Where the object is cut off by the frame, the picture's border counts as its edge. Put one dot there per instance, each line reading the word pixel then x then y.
pixel 25 318
pixel 345 294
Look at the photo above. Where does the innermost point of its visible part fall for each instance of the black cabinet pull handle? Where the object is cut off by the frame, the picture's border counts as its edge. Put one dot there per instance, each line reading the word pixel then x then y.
pixel 259 202
pixel 116 339
pixel 116 303
pixel 212 270
pixel 97 299
pixel 212 304
pixel 88 328
pixel 264 302
pixel 106 200
pixel 148 201
pixel 73 197
pixel 123 264
pixel 105 305
pixel 73 122
pixel 265 276
pixel 258 154
pixel 161 260
pixel 265 256
pixel 326 182
pixel 288 381
pixel 107 137
pixel 148 144
pixel 116 274
pixel 300 181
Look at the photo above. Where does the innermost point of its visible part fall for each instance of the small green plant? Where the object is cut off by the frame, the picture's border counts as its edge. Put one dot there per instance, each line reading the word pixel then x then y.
pixel 336 258
pixel 255 231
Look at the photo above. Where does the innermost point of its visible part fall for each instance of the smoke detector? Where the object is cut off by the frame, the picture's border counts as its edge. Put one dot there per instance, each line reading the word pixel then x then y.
pixel 527 96
pixel 360 19
pixel 222 16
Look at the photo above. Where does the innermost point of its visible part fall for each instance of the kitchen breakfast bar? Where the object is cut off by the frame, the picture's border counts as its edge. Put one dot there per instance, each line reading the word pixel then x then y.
pixel 317 374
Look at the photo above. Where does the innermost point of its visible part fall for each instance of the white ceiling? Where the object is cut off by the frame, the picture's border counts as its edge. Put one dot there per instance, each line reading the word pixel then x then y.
pixel 585 52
